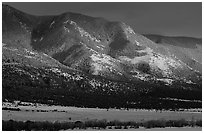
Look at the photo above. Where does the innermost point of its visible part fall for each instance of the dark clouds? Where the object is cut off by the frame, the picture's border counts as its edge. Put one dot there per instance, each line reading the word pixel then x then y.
pixel 173 19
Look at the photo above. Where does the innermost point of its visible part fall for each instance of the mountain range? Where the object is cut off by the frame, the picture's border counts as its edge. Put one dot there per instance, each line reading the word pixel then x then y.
pixel 74 59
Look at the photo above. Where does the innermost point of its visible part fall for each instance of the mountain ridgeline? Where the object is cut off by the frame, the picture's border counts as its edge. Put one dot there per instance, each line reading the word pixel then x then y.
pixel 77 60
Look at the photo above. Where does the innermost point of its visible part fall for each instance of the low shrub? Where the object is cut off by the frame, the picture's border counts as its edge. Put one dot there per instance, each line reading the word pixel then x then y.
pixel 12 109
pixel 12 125
pixel 118 127
pixel 198 123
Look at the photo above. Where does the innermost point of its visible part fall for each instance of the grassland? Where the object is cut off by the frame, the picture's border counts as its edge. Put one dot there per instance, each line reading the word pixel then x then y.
pixel 36 116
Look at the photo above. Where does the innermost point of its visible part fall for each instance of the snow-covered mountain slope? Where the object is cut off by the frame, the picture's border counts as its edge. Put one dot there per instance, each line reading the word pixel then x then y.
pixel 186 49
pixel 71 88
pixel 97 49
pixel 97 46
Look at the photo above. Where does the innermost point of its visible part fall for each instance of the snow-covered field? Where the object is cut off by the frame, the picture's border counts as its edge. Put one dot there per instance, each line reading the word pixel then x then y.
pixel 40 112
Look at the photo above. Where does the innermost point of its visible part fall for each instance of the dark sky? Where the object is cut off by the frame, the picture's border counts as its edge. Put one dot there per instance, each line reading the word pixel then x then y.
pixel 173 19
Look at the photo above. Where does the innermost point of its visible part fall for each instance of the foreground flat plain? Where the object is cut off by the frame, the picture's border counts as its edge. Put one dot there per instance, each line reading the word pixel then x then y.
pixel 42 112
pixel 152 129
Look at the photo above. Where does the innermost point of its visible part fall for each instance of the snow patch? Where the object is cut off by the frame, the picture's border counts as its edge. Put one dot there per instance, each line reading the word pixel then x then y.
pixel 82 32
pixel 168 81
pixel 138 59
pixel 173 63
pixel 66 21
pixel 188 81
pixel 72 22
pixel 41 38
pixel 78 77
pixel 135 60
pixel 164 63
pixel 29 56
pixel 99 47
pixel 160 63
pixel 140 76
pixel 102 62
pixel 128 29
pixel 146 50
pixel 30 52
pixel 94 83
pixel 66 29
pixel 73 77
pixel 155 60
pixel 97 68
pixel 102 58
pixel 137 43
pixel 56 70
pixel 52 23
